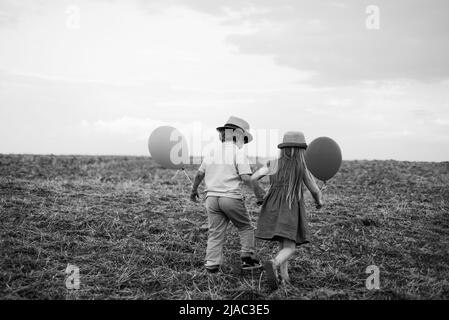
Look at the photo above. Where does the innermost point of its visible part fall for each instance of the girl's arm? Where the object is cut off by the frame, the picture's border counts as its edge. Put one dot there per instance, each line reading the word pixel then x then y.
pixel 310 183
pixel 259 174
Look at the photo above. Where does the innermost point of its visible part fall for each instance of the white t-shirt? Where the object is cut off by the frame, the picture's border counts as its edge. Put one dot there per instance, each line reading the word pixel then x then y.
pixel 223 167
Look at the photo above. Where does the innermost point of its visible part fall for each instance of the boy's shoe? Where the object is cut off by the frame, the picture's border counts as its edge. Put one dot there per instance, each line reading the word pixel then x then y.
pixel 249 263
pixel 213 269
pixel 272 277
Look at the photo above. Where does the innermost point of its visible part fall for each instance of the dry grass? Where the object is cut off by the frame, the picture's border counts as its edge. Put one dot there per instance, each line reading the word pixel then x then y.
pixel 134 235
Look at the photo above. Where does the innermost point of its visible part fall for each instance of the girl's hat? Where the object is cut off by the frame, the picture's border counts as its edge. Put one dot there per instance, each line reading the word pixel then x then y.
pixel 293 139
pixel 238 123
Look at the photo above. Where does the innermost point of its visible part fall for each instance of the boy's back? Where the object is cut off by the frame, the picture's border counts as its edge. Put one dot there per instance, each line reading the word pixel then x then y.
pixel 223 167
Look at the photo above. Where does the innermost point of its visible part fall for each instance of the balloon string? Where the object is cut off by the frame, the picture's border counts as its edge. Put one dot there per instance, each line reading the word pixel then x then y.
pixel 176 174
pixel 183 170
pixel 323 187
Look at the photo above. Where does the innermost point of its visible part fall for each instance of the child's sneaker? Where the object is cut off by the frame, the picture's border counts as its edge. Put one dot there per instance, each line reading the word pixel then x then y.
pixel 249 263
pixel 272 277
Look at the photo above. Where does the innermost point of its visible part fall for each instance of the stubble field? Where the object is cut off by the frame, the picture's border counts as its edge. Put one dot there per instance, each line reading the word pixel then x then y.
pixel 129 226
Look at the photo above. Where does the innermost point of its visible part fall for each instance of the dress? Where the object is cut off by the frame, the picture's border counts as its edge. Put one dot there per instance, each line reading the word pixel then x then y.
pixel 277 220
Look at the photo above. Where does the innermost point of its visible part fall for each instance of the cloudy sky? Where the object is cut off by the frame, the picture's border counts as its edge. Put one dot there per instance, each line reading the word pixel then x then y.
pixel 97 76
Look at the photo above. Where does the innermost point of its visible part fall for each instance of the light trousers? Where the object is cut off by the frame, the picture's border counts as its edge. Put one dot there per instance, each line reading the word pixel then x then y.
pixel 220 211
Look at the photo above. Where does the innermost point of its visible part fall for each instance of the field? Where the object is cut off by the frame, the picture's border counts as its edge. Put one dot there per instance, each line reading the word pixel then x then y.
pixel 130 228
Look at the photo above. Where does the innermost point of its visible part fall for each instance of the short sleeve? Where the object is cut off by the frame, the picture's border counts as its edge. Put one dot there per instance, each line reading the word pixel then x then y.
pixel 242 163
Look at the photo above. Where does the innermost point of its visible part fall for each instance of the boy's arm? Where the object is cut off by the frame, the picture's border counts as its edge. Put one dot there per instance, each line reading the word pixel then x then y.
pixel 198 179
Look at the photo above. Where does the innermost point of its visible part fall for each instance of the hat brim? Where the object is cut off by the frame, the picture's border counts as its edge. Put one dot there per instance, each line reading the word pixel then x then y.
pixel 292 144
pixel 247 134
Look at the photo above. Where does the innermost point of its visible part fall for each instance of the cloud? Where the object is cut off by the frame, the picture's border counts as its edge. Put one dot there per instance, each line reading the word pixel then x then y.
pixel 199 137
pixel 139 129
pixel 443 122
pixel 290 65
pixel 17 77
pixel 126 125
pixel 12 11
pixel 330 40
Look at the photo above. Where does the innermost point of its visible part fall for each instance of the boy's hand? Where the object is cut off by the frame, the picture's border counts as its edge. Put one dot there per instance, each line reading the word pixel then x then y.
pixel 259 193
pixel 260 198
pixel 319 204
pixel 194 196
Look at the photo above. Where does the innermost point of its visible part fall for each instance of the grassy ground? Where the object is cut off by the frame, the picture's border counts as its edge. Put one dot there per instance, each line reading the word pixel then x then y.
pixel 131 230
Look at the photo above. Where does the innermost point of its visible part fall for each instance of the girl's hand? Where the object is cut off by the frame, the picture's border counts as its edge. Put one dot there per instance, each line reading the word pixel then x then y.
pixel 319 204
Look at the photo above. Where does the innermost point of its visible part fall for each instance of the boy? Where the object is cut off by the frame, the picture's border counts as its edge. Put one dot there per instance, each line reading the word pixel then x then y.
pixel 224 170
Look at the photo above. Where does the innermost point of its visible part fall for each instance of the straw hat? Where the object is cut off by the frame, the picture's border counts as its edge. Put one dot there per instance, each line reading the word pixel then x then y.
pixel 293 139
pixel 238 123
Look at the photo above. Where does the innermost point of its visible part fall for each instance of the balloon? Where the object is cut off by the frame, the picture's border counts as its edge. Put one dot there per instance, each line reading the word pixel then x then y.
pixel 323 158
pixel 168 147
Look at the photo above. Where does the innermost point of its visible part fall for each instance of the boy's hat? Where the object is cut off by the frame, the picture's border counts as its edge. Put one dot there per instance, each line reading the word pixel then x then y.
pixel 238 123
pixel 293 139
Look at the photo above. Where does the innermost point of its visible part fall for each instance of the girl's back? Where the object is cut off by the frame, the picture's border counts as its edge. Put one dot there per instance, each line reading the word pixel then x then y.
pixel 289 173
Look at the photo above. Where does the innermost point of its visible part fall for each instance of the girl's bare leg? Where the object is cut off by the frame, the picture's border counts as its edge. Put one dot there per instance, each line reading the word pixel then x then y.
pixel 281 247
pixel 286 252
pixel 284 272
pixel 284 266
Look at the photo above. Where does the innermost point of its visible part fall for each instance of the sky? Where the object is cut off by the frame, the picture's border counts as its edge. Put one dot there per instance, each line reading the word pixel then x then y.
pixel 98 76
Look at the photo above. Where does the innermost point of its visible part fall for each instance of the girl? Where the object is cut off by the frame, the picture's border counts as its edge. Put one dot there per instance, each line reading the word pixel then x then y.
pixel 283 216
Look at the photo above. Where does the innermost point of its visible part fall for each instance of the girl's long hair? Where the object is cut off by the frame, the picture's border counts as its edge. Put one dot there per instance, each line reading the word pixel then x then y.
pixel 290 171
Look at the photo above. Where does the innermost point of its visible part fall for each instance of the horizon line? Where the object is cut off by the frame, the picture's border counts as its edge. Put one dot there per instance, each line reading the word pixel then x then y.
pixel 149 157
